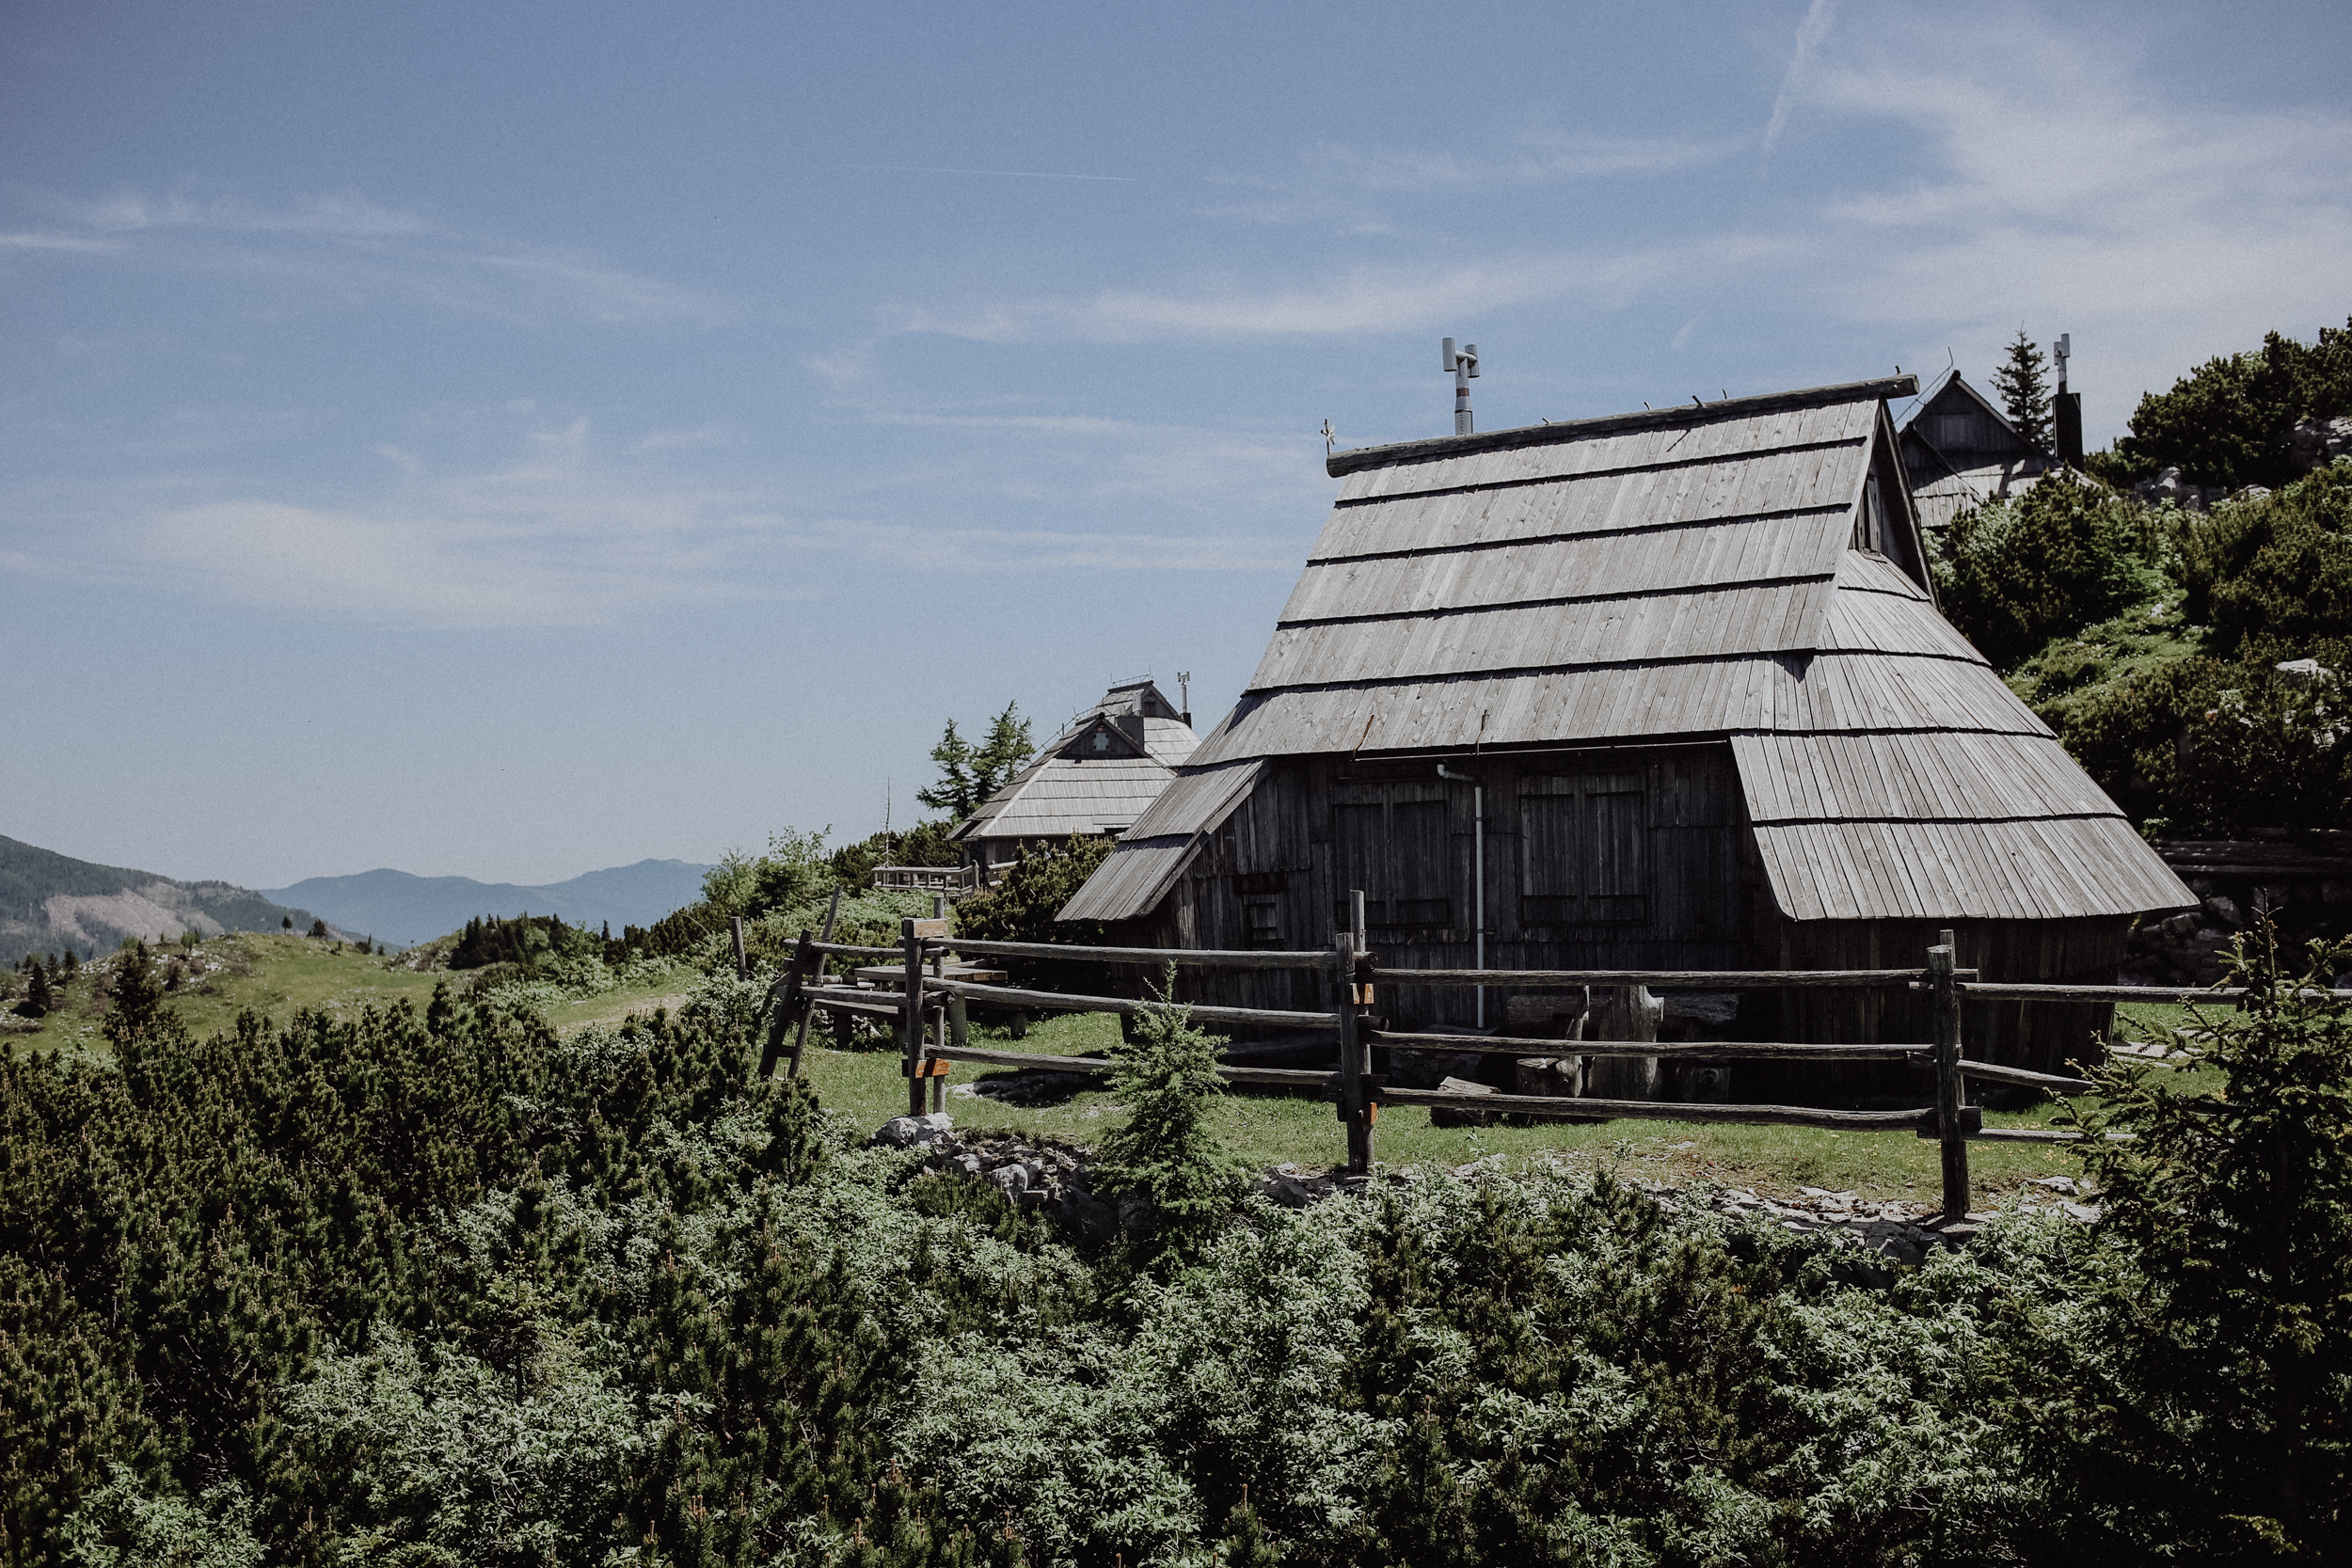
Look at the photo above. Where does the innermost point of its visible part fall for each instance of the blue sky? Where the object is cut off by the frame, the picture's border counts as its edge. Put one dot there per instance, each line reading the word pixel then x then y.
pixel 506 441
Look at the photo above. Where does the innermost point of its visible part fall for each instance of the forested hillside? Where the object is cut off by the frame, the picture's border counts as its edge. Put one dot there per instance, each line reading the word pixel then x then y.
pixel 50 902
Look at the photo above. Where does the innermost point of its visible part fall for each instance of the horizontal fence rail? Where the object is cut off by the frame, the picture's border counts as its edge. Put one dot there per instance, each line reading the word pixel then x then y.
pixel 1701 1049
pixel 1201 957
pixel 1920 1120
pixel 1008 996
pixel 1657 979
pixel 1997 991
pixel 841 951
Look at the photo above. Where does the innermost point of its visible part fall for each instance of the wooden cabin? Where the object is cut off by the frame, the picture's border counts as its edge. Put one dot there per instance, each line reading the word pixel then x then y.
pixel 1959 452
pixel 1092 781
pixel 1695 707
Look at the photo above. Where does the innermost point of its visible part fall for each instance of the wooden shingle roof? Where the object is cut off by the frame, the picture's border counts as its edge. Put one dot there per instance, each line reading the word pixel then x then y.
pixel 1675 575
pixel 1096 777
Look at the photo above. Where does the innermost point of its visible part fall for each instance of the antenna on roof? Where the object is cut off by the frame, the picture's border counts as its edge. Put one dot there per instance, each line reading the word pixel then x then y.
pixel 1183 685
pixel 2061 351
pixel 1461 364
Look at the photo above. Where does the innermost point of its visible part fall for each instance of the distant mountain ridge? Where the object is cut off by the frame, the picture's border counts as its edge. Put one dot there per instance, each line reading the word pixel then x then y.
pixel 400 907
pixel 50 902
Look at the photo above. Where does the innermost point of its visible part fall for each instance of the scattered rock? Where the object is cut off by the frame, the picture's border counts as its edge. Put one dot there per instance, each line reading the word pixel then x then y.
pixel 1456 1116
pixel 913 1132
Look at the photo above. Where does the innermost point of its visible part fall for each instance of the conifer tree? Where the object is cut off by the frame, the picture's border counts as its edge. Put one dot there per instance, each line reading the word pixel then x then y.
pixel 2025 393
pixel 40 1001
pixel 138 993
pixel 957 793
pixel 1006 748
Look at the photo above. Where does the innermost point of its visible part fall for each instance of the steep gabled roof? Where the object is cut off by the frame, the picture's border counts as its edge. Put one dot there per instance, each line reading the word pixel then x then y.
pixel 1947 482
pixel 1675 575
pixel 1095 777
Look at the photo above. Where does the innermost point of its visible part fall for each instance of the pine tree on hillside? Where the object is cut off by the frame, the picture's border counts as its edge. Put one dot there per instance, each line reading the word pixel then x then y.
pixel 1002 754
pixel 956 793
pixel 40 1001
pixel 2025 393
pixel 969 774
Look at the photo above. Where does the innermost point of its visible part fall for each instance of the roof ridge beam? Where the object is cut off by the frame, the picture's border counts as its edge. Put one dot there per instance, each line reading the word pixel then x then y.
pixel 1516 670
pixel 1877 390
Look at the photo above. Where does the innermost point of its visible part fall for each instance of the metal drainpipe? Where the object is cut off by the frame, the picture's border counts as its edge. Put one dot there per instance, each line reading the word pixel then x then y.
pixel 1478 871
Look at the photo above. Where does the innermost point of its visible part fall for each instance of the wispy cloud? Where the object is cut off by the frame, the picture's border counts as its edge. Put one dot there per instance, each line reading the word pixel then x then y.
pixel 345 246
pixel 993 173
pixel 1005 550
pixel 81 243
pixel 1810 32
pixel 1530 159
pixel 1361 300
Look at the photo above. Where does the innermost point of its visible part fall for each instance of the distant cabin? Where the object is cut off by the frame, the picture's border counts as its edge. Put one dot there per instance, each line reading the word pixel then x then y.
pixel 1092 781
pixel 1959 452
pixel 1692 661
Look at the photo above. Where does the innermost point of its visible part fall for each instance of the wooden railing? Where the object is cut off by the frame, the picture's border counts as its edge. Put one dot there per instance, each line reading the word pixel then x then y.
pixel 930 1013
pixel 957 882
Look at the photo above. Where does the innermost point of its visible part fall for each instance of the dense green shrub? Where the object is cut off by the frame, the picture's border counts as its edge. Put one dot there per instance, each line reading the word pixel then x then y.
pixel 2180 710
pixel 2280 567
pixel 2010 574
pixel 2225 422
pixel 2225 1431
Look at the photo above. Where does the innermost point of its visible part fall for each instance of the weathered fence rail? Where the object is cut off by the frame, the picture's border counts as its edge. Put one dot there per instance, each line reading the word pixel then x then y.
pixel 930 1012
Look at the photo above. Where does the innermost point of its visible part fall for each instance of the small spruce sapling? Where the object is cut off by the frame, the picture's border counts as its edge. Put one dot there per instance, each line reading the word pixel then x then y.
pixel 138 994
pixel 1168 1156
pixel 40 1001
pixel 2236 1335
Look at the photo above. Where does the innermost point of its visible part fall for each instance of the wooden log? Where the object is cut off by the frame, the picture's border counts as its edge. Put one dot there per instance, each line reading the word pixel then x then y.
pixel 1355 1109
pixel 1153 956
pixel 911 1018
pixel 1993 1073
pixel 2039 1135
pixel 1657 979
pixel 1698 1050
pixel 742 960
pixel 1062 1002
pixel 1665 1110
pixel 1979 991
pixel 1950 1089
pixel 1323 1083
pixel 799 1039
pixel 788 1003
pixel 882 1003
pixel 840 951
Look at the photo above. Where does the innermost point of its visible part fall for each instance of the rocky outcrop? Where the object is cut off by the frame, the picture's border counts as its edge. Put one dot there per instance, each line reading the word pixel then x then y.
pixel 2315 442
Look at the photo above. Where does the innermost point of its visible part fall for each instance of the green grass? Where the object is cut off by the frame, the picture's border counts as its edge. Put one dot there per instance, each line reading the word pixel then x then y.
pixel 279 974
pixel 1266 1129
pixel 282 975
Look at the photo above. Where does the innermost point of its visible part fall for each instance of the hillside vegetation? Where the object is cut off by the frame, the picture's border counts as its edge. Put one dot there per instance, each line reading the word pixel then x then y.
pixel 2196 663
pixel 431 1283
pixel 50 902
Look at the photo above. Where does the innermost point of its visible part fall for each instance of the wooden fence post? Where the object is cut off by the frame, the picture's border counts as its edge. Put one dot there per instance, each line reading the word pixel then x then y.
pixel 742 962
pixel 911 1016
pixel 787 1003
pixel 1352 1101
pixel 1950 1091
pixel 799 1040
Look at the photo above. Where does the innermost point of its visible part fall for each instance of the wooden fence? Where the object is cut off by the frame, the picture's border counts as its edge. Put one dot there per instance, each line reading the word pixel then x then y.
pixel 929 1014
pixel 957 882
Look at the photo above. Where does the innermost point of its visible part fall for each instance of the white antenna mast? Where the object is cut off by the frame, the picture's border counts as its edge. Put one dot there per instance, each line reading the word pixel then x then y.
pixel 1461 364
pixel 2062 350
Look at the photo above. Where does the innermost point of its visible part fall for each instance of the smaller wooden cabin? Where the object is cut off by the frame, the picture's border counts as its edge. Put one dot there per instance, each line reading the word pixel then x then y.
pixel 1959 452
pixel 1660 690
pixel 1092 781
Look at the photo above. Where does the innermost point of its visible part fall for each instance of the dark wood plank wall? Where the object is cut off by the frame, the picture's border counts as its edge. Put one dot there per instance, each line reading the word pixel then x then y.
pixel 1606 859
pixel 1614 859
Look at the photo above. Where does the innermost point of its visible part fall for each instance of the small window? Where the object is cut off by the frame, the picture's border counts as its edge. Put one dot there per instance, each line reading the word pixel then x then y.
pixel 1261 923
